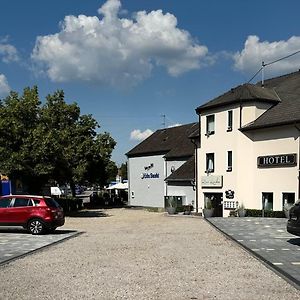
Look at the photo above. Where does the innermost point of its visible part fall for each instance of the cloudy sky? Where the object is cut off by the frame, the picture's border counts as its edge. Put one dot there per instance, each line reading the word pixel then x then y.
pixel 139 65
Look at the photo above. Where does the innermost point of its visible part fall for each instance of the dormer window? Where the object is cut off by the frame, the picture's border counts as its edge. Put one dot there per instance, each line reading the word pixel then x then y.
pixel 210 125
pixel 229 120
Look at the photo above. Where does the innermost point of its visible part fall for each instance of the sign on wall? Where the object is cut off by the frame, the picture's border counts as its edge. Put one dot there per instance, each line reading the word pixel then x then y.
pixel 279 160
pixel 212 181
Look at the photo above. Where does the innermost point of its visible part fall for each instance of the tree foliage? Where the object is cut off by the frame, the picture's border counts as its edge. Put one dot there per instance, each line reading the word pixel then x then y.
pixel 51 142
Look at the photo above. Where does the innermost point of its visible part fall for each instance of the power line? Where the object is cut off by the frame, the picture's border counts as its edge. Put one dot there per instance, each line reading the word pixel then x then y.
pixel 272 62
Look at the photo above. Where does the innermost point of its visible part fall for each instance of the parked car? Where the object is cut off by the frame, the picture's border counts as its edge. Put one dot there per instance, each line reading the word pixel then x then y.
pixel 293 223
pixel 37 214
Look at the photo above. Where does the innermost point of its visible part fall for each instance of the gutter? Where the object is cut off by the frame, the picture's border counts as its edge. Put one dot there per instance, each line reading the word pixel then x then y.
pixel 298 128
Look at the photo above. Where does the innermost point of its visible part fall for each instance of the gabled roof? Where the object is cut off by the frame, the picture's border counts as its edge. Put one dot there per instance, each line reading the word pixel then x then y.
pixel 242 93
pixel 172 142
pixel 285 112
pixel 186 172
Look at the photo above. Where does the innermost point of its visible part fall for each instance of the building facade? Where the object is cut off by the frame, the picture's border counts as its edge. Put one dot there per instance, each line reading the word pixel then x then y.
pixel 153 161
pixel 249 147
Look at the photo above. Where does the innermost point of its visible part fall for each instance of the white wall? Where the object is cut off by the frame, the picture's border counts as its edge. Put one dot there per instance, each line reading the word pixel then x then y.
pixel 246 179
pixel 182 190
pixel 147 191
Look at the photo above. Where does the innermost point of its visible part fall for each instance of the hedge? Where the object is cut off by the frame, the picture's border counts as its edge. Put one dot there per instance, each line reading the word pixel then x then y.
pixel 267 213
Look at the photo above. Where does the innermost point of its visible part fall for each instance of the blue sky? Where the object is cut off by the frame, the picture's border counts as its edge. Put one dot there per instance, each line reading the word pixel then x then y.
pixel 129 62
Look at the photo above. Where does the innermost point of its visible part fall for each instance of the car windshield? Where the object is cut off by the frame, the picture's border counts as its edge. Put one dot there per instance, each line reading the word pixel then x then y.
pixel 51 202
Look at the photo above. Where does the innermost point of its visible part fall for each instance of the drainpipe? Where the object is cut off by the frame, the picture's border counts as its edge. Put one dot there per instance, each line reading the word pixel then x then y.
pixel 196 175
pixel 298 128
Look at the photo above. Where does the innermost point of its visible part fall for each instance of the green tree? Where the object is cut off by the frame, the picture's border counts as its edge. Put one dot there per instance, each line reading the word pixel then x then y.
pixel 52 142
pixel 123 170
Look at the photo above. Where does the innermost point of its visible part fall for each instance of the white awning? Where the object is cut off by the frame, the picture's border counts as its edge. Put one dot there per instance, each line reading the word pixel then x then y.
pixel 119 186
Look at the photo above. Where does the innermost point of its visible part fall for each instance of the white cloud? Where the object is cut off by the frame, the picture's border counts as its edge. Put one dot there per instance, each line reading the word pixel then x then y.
pixel 117 51
pixel 8 53
pixel 138 135
pixel 249 60
pixel 4 87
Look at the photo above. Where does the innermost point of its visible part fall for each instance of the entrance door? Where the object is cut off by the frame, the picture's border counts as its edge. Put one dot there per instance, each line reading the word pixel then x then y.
pixel 267 202
pixel 216 200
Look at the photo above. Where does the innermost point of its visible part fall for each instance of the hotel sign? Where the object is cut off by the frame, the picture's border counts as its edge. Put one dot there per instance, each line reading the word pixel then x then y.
pixel 211 181
pixel 280 160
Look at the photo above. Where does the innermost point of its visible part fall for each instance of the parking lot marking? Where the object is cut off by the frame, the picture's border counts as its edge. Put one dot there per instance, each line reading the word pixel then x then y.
pixel 252 240
pixel 280 230
pixel 277 264
pixel 240 240
pixel 8 254
pixel 285 249
pixel 295 263
pixel 270 249
pixel 255 249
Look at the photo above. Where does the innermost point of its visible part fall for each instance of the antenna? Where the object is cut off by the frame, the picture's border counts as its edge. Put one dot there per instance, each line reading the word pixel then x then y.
pixel 164 121
pixel 262 73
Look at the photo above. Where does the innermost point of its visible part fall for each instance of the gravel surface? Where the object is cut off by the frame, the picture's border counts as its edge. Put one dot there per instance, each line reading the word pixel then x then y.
pixel 134 254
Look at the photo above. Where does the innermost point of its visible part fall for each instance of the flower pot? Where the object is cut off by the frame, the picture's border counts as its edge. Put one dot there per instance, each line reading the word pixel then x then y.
pixel 208 212
pixel 171 210
pixel 241 213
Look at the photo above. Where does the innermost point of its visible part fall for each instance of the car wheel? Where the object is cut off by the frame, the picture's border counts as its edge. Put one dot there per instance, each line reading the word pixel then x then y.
pixel 36 226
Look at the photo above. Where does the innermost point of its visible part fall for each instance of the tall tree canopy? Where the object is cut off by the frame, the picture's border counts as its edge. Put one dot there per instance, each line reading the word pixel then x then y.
pixel 51 142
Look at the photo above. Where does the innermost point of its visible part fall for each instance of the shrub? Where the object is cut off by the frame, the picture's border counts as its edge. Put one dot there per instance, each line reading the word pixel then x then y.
pixel 267 213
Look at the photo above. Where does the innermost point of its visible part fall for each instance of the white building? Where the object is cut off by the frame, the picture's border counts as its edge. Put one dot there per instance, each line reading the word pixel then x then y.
pixel 156 167
pixel 249 147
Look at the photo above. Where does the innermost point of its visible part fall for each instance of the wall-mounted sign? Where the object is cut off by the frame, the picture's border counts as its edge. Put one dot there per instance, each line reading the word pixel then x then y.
pixel 229 194
pixel 212 181
pixel 149 175
pixel 147 168
pixel 279 160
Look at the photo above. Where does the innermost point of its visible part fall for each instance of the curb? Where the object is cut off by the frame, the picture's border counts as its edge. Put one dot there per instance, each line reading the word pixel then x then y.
pixel 9 260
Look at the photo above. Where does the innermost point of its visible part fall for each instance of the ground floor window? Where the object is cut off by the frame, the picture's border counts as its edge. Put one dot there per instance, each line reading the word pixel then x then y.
pixel 267 201
pixel 288 199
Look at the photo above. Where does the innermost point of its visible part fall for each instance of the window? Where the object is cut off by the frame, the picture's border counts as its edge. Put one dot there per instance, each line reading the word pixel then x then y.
pixel 229 161
pixel 210 125
pixel 5 202
pixel 210 162
pixel 229 120
pixel 21 202
pixel 267 201
pixel 288 198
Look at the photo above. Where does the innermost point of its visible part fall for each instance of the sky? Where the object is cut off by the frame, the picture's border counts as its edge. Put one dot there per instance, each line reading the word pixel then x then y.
pixel 141 65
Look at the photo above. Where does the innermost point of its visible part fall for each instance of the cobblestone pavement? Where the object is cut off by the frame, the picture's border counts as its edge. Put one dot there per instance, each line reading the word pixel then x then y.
pixel 268 239
pixel 16 242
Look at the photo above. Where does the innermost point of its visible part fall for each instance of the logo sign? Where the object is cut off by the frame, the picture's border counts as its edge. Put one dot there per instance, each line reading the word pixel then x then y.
pixel 212 181
pixel 149 175
pixel 280 160
pixel 229 194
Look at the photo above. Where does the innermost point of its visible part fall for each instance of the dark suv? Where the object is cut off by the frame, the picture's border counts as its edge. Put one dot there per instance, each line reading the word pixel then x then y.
pixel 37 214
pixel 293 224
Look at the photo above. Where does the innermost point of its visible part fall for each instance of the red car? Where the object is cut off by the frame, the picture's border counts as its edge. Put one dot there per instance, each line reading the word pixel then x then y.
pixel 37 214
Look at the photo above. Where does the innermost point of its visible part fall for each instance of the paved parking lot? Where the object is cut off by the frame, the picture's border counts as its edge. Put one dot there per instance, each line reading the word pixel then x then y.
pixel 268 239
pixel 16 242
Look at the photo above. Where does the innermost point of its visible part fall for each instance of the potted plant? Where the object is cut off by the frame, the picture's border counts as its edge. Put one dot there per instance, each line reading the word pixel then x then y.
pixel 208 210
pixel 241 210
pixel 187 209
pixel 286 209
pixel 171 206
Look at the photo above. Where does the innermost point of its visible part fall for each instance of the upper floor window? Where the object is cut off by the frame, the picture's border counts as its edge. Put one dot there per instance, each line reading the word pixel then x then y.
pixel 210 125
pixel 229 161
pixel 229 120
pixel 210 162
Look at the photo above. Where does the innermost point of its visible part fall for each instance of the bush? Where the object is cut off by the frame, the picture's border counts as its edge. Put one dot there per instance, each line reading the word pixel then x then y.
pixel 267 213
